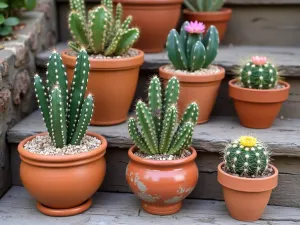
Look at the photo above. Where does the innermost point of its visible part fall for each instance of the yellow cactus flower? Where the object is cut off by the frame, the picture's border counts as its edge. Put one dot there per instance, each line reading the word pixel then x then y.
pixel 248 141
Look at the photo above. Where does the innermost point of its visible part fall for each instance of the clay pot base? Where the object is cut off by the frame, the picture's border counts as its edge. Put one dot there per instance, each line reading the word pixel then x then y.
pixel 162 210
pixel 64 212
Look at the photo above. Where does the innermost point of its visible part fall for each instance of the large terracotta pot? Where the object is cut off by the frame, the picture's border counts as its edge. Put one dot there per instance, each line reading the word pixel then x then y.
pixel 113 83
pixel 162 185
pixel 219 19
pixel 201 89
pixel 246 198
pixel 257 108
pixel 63 185
pixel 154 18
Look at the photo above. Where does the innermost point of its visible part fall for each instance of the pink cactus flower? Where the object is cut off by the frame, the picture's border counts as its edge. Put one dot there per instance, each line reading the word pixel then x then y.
pixel 195 28
pixel 259 60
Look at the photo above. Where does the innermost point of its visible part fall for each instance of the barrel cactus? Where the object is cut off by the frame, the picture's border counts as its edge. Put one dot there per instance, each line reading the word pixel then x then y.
pixel 100 32
pixel 246 157
pixel 156 129
pixel 259 74
pixel 190 50
pixel 66 112
pixel 204 5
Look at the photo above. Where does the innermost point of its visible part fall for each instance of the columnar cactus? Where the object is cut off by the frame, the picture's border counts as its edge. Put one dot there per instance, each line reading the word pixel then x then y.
pixel 259 74
pixel 100 32
pixel 246 157
pixel 66 113
pixel 156 129
pixel 189 50
pixel 204 5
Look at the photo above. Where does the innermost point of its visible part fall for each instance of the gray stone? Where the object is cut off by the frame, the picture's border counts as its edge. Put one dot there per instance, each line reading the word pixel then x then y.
pixel 5 96
pixel 21 85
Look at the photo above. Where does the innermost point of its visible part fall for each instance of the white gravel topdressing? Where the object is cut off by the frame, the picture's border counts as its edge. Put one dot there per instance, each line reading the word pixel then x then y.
pixel 42 145
pixel 210 70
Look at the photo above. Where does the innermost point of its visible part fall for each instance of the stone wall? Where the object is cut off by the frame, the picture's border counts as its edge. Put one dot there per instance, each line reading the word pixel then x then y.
pixel 17 67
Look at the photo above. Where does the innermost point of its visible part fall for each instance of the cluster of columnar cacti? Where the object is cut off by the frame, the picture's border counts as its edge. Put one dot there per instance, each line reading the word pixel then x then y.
pixel 204 5
pixel 246 157
pixel 156 129
pixel 259 74
pixel 100 32
pixel 190 50
pixel 66 112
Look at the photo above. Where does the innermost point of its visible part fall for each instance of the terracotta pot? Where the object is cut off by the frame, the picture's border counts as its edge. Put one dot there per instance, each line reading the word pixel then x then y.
pixel 154 18
pixel 162 185
pixel 246 198
pixel 63 185
pixel 219 19
pixel 113 83
pixel 202 89
pixel 257 108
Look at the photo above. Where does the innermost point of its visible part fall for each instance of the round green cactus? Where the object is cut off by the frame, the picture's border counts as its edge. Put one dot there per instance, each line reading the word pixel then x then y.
pixel 259 74
pixel 246 157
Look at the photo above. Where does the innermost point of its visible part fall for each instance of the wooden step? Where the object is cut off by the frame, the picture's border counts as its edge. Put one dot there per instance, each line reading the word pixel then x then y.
pixel 18 207
pixel 209 139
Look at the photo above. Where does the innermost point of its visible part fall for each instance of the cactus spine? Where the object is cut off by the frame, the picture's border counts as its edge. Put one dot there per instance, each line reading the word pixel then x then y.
pixel 189 50
pixel 246 157
pixel 259 74
pixel 101 32
pixel 204 5
pixel 156 129
pixel 66 113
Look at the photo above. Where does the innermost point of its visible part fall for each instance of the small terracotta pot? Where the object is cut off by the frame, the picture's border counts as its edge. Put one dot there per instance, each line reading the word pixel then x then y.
pixel 246 198
pixel 63 185
pixel 162 185
pixel 154 18
pixel 219 19
pixel 113 83
pixel 257 108
pixel 202 89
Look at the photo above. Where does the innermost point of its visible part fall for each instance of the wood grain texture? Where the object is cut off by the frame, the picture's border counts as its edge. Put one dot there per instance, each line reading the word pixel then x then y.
pixel 17 207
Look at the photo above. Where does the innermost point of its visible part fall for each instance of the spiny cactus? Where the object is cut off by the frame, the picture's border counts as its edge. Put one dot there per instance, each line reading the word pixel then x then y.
pixel 204 5
pixel 156 129
pixel 246 157
pixel 259 74
pixel 66 113
pixel 100 32
pixel 189 50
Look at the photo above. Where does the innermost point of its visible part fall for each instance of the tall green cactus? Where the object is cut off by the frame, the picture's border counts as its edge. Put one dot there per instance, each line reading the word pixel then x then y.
pixel 100 32
pixel 204 5
pixel 156 129
pixel 66 113
pixel 189 50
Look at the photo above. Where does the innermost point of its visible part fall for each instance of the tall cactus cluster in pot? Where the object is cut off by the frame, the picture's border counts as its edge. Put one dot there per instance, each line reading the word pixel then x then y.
pixel 246 157
pixel 259 74
pixel 204 5
pixel 66 112
pixel 101 32
pixel 156 129
pixel 190 50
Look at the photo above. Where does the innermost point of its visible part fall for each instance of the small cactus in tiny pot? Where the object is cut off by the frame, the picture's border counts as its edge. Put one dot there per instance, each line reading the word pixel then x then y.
pixel 191 50
pixel 246 157
pixel 156 129
pixel 66 113
pixel 259 74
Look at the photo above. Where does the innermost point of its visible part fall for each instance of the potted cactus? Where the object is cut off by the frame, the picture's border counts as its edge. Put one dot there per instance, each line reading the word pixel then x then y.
pixel 210 12
pixel 191 54
pixel 258 93
pixel 162 150
pixel 247 178
pixel 164 16
pixel 114 64
pixel 65 166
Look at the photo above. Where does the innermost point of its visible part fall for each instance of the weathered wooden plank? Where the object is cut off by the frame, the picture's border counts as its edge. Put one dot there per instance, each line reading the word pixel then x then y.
pixel 238 2
pixel 17 207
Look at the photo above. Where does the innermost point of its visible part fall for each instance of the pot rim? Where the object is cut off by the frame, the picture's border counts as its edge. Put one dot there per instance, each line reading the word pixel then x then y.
pixel 115 63
pixel 193 78
pixel 161 163
pixel 247 184
pixel 64 158
pixel 149 2
pixel 221 12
